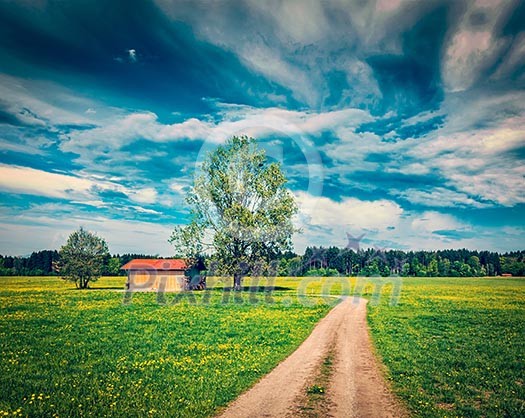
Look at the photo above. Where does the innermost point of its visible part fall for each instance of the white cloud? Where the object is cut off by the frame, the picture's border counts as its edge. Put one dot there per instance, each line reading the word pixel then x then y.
pixel 476 166
pixel 472 50
pixel 475 110
pixel 23 148
pixel 304 21
pixel 430 221
pixel 94 203
pixel 189 129
pixel 82 190
pixel 146 195
pixel 178 187
pixel 467 56
pixel 501 185
pixel 261 122
pixel 35 102
pixel 423 231
pixel 478 163
pixel 132 53
pixel 35 229
pixel 297 43
pixel 32 233
pixel 323 219
pixel 438 197
pixel 294 127
pixel 322 211
pixel 351 154
pixel 266 61
pixel 385 224
pixel 145 210
pixel 235 120
pixel 26 180
pixel 418 168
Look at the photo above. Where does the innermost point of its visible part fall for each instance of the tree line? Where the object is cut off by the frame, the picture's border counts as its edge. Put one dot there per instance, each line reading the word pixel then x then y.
pixel 45 263
pixel 332 261
pixel 321 261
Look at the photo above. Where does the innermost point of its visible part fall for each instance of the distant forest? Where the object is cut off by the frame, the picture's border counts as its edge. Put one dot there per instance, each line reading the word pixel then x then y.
pixel 320 261
pixel 43 263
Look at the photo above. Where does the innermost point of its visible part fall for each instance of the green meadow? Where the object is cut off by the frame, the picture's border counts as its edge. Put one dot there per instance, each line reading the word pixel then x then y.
pixel 455 347
pixel 72 353
pixel 451 347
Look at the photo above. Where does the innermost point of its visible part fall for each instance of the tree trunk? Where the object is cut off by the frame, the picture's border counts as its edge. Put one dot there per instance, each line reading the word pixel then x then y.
pixel 83 283
pixel 237 279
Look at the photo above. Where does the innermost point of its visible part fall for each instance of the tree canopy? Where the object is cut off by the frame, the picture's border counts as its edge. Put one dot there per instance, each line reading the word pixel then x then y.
pixel 241 211
pixel 82 258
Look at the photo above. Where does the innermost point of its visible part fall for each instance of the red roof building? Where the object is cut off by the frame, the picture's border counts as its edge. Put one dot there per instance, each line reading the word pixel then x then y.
pixel 155 264
pixel 149 275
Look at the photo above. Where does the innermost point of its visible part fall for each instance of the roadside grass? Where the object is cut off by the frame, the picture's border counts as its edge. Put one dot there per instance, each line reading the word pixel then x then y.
pixel 455 347
pixel 75 353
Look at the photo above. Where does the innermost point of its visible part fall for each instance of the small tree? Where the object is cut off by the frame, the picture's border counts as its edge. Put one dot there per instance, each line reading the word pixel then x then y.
pixel 82 258
pixel 113 267
pixel 241 211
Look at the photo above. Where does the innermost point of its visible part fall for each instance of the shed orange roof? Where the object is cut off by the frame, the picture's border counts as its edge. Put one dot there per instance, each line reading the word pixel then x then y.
pixel 155 264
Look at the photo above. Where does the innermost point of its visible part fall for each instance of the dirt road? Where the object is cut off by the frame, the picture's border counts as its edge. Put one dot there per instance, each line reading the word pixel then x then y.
pixel 356 389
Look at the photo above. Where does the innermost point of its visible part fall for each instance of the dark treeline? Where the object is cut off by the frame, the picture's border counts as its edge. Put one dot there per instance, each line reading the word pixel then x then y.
pixel 43 263
pixel 332 261
pixel 39 263
pixel 320 261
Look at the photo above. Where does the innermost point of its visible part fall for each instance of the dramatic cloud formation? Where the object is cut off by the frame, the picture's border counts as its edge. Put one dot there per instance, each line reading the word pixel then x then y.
pixel 400 120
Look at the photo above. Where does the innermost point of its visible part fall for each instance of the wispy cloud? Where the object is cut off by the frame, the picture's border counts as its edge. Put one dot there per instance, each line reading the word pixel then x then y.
pixel 408 116
pixel 230 120
pixel 26 180
pixel 475 46
pixel 469 54
pixel 84 190
pixel 38 103
pixel 52 232
pixel 385 224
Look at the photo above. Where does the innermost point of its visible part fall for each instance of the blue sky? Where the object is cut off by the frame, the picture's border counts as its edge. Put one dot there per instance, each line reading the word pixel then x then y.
pixel 400 120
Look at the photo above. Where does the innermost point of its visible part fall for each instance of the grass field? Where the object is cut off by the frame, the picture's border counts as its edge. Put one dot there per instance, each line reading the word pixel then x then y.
pixel 453 347
pixel 73 353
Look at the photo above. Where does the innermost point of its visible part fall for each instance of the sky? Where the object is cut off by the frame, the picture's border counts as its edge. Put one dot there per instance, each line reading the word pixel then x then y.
pixel 399 121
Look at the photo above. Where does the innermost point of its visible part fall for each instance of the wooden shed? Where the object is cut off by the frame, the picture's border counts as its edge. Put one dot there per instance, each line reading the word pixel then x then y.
pixel 156 275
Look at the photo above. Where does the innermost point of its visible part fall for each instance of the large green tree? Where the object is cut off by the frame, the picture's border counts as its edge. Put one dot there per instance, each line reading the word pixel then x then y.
pixel 241 211
pixel 82 258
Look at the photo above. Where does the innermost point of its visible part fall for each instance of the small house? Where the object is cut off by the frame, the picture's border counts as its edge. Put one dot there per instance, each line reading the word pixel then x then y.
pixel 156 275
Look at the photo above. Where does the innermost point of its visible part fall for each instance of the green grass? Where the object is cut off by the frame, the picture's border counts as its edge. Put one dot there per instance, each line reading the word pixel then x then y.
pixel 75 353
pixel 455 347
pixel 452 347
pixel 317 404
